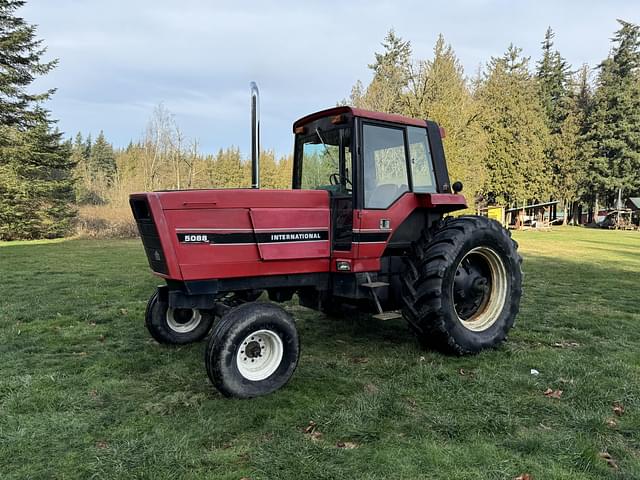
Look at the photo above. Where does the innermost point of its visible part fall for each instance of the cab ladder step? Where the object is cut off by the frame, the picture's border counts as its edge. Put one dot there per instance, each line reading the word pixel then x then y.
pixel 387 315
pixel 381 315
pixel 374 284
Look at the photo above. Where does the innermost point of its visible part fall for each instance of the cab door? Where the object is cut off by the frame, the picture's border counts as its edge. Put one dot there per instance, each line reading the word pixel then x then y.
pixel 396 163
pixel 324 160
pixel 385 189
pixel 341 202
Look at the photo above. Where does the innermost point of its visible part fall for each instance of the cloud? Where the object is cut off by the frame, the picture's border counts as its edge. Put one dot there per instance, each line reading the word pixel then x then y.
pixel 120 58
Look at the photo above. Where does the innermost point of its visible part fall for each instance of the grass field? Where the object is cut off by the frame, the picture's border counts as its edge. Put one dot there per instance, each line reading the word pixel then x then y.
pixel 85 393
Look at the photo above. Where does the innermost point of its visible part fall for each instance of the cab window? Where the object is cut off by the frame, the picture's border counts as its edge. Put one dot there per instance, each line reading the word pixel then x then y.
pixel 326 160
pixel 420 160
pixel 385 165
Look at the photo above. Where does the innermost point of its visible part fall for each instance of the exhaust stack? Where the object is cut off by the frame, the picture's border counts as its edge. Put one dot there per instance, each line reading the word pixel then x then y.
pixel 255 135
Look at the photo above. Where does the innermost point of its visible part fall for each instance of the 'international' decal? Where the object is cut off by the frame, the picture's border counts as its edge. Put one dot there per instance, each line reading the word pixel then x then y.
pixel 251 237
pixel 288 237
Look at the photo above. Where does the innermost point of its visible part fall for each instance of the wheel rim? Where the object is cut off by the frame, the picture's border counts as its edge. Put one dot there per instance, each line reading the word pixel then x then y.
pixel 259 355
pixel 480 289
pixel 183 320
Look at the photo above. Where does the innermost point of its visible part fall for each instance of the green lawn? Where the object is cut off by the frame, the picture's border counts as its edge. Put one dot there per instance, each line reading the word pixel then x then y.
pixel 85 393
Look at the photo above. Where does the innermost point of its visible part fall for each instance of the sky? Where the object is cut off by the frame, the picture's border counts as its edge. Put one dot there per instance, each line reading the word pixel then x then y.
pixel 120 59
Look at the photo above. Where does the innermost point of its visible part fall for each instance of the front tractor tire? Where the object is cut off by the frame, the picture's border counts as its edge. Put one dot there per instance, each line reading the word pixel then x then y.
pixel 176 326
pixel 253 350
pixel 462 286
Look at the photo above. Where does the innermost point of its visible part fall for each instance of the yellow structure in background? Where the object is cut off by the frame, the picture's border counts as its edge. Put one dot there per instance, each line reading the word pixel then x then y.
pixel 497 213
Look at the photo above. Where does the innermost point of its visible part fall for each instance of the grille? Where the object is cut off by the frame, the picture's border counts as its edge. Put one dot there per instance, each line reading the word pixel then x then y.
pixel 149 236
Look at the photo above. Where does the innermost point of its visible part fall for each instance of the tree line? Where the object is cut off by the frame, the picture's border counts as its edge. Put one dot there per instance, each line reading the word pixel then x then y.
pixel 516 132
pixel 164 159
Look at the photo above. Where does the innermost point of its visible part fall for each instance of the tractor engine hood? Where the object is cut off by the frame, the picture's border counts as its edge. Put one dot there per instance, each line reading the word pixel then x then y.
pixel 234 232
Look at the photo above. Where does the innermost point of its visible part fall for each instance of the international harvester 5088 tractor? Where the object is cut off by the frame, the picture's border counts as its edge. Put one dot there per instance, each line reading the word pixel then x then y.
pixel 363 228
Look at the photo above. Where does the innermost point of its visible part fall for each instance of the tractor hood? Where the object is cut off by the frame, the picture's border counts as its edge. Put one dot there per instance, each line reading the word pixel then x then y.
pixel 236 232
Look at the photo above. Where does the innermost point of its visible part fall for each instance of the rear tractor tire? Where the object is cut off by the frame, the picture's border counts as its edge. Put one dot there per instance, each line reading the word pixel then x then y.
pixel 253 350
pixel 176 326
pixel 462 286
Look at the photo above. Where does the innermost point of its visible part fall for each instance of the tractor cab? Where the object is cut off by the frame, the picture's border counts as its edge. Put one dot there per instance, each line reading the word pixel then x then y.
pixel 373 156
pixel 373 164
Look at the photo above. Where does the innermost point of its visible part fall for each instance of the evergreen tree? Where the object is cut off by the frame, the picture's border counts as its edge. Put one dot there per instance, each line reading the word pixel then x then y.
pixel 36 184
pixel 228 170
pixel 36 181
pixel 514 122
pixel 566 159
pixel 554 77
pixel 77 152
pixel 583 96
pixel 614 124
pixel 555 92
pixel 78 145
pixel 390 77
pixel 20 62
pixel 83 183
pixel 285 171
pixel 88 145
pixel 438 91
pixel 583 106
pixel 102 161
pixel 268 169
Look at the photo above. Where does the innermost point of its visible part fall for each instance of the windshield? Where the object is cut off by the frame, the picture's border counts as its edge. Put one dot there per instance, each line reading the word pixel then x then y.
pixel 326 160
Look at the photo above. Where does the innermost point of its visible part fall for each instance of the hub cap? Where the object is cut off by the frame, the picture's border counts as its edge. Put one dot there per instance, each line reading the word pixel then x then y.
pixel 480 289
pixel 183 320
pixel 259 355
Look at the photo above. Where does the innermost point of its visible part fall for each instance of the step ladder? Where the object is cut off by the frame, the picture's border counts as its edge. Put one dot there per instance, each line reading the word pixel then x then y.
pixel 372 286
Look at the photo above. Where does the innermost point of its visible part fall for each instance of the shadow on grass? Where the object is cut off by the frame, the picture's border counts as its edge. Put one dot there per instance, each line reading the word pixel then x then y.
pixel 33 243
pixel 627 252
pixel 552 288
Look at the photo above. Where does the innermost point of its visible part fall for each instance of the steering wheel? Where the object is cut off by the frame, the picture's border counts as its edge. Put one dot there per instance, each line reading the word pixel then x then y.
pixel 334 179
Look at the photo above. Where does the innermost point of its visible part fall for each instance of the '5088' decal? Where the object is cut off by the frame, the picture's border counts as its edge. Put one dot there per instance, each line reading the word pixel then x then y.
pixel 193 238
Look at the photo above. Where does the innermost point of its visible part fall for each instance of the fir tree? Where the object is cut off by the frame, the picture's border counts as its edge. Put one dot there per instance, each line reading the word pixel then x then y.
pixel 102 160
pixel 390 77
pixel 88 145
pixel 566 159
pixel 36 181
pixel 36 184
pixel 20 62
pixel 554 77
pixel 82 172
pixel 438 91
pixel 555 92
pixel 583 106
pixel 513 120
pixel 614 124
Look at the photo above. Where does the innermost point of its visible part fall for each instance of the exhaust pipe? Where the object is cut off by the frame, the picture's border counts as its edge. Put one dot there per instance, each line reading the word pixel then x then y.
pixel 255 136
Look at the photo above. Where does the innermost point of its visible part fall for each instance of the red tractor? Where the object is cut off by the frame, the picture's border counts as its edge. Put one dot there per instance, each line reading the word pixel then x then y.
pixel 364 228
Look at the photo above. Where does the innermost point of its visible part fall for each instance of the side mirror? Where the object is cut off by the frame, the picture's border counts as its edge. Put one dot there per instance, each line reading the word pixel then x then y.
pixel 457 187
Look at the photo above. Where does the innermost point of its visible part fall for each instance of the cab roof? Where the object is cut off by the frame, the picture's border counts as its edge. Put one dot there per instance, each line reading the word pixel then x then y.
pixel 358 112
